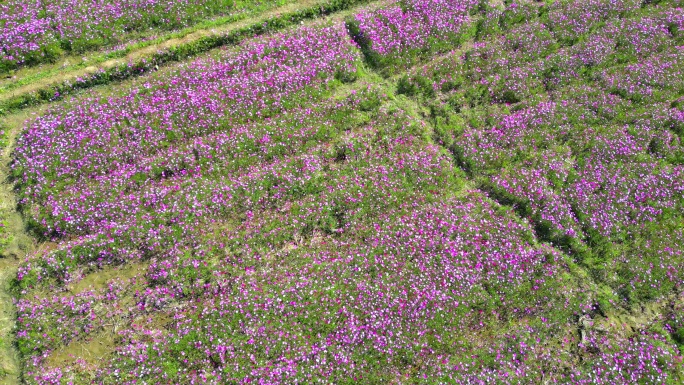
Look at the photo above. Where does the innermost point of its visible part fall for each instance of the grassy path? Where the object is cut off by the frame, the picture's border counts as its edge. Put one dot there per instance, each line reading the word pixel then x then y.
pixel 9 357
pixel 19 244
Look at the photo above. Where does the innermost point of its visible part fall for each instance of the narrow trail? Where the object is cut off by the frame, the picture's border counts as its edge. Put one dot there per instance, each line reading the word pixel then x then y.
pixel 19 245
pixel 9 357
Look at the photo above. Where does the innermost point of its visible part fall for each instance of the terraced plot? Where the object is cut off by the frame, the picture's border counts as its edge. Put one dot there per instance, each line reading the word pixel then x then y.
pixel 36 32
pixel 429 191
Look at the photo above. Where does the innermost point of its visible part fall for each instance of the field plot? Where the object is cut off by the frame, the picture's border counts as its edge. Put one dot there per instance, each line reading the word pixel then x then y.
pixel 427 192
pixel 584 139
pixel 41 31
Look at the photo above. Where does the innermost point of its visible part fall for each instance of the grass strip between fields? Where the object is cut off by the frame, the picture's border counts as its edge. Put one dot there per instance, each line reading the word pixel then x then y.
pixel 176 53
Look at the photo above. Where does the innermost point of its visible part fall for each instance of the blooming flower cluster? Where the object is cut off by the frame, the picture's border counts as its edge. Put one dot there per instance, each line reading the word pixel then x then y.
pixel 392 34
pixel 371 296
pixel 169 130
pixel 291 220
pixel 572 19
pixel 31 31
pixel 46 323
pixel 572 119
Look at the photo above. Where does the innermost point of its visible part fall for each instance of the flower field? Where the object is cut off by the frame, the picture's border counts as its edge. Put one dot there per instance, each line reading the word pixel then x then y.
pixel 433 192
pixel 397 35
pixel 586 144
pixel 38 31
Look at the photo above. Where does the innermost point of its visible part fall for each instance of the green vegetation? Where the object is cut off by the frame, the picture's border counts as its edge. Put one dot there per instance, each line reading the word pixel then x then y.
pixel 427 191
